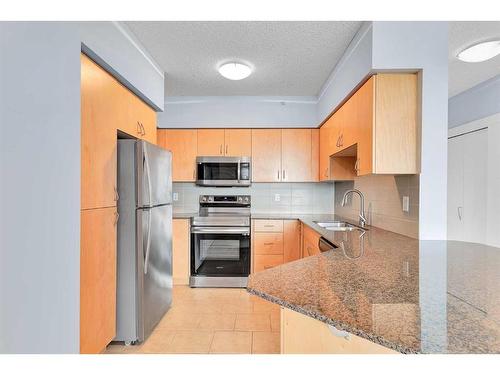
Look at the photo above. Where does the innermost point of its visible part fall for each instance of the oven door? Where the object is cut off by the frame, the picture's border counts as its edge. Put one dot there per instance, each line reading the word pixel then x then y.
pixel 220 251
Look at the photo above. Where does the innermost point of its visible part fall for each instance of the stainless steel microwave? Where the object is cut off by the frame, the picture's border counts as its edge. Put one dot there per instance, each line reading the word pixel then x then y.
pixel 223 171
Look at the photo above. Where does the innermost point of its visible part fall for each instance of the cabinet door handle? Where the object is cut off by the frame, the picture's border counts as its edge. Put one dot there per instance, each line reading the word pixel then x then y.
pixel 284 175
pixel 220 149
pixel 326 172
pixel 459 211
pixel 117 216
pixel 139 131
pixel 278 174
pixel 194 174
pixel 356 166
pixel 226 149
pixel 117 196
pixel 268 243
pixel 143 129
pixel 269 226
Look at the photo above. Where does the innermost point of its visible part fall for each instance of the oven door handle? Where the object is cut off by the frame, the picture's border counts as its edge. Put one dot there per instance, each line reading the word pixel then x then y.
pixel 220 230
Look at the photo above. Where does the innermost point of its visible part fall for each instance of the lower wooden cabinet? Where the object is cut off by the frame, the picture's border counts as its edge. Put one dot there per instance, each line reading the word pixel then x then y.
pixel 301 334
pixel 97 279
pixel 310 244
pixel 181 251
pixel 275 242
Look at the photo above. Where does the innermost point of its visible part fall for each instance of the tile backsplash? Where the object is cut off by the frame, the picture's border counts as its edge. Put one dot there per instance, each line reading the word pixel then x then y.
pixel 293 197
pixel 383 201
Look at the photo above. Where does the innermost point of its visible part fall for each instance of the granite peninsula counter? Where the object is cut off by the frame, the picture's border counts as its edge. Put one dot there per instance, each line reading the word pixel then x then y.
pixel 404 294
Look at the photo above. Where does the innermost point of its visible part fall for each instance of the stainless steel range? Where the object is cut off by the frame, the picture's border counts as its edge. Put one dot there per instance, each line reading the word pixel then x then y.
pixel 220 242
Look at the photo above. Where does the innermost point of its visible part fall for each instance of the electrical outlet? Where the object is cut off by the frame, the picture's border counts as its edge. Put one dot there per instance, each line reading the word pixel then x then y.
pixel 406 203
pixel 277 197
pixel 175 197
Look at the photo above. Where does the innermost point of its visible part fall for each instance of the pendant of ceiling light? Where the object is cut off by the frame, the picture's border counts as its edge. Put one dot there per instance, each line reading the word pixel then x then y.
pixel 480 52
pixel 235 71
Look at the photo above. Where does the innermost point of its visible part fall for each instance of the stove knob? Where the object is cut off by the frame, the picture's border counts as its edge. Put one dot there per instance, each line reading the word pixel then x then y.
pixel 246 199
pixel 203 199
pixel 240 199
pixel 210 199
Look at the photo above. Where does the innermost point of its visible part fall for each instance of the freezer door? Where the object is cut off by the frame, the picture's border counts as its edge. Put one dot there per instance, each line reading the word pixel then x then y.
pixel 154 266
pixel 154 175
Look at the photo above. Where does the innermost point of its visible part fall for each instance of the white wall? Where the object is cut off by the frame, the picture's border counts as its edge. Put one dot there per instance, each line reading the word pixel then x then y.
pixel 238 111
pixel 40 173
pixel 476 103
pixel 423 45
pixel 40 188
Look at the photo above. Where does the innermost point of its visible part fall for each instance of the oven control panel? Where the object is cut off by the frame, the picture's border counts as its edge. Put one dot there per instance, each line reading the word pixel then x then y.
pixel 226 199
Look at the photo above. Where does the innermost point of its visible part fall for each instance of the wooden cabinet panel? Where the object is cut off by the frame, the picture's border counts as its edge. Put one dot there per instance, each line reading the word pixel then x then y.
pixel 296 155
pixel 183 144
pixel 315 155
pixel 181 251
pixel 266 155
pixel 343 168
pixel 326 148
pixel 301 334
pixel 268 243
pixel 310 239
pixel 98 136
pixel 97 279
pixel 268 225
pixel 147 118
pixel 210 142
pixel 238 142
pixel 264 262
pixel 364 125
pixel 395 136
pixel 291 240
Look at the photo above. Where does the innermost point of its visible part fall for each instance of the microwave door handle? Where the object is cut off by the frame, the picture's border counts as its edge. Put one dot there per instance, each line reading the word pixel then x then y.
pixel 238 172
pixel 219 230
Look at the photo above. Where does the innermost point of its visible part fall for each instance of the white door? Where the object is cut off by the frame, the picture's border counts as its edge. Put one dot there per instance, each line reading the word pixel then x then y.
pixel 467 186
pixel 475 185
pixel 455 188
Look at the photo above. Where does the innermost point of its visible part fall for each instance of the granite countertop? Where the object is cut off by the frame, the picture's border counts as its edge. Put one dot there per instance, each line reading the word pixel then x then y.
pixel 408 295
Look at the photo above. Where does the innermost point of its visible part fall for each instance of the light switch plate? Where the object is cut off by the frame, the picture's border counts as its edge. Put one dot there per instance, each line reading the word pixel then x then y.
pixel 406 203
pixel 175 197
pixel 277 197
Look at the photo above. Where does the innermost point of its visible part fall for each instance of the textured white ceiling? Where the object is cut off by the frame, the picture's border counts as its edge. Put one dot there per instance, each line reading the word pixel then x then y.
pixel 289 58
pixel 462 75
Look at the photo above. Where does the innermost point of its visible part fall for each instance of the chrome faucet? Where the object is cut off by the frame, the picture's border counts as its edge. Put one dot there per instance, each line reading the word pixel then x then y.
pixel 362 217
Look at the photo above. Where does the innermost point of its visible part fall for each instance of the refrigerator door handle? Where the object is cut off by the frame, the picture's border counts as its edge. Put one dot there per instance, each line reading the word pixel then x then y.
pixel 148 243
pixel 148 172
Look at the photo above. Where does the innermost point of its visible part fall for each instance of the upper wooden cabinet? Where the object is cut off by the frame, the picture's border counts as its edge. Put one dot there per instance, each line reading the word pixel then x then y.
pixel 285 155
pixel 374 132
pixel 238 142
pixel 266 155
pixel 100 102
pixel 296 155
pixel 224 142
pixel 210 142
pixel 183 143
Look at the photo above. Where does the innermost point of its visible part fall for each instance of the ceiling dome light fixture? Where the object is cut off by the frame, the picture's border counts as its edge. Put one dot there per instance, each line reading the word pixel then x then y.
pixel 480 51
pixel 235 71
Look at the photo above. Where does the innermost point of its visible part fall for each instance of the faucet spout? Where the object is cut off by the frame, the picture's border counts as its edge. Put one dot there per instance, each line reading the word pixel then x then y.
pixel 362 217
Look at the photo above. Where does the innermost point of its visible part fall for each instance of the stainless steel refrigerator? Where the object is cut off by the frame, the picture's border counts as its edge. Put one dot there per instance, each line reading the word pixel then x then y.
pixel 144 285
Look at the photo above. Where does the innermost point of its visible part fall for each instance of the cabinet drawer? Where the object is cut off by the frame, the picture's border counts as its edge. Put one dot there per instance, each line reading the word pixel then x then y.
pixel 268 243
pixel 264 262
pixel 268 225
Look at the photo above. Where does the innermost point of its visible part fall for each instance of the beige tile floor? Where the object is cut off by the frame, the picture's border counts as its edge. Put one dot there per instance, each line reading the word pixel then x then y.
pixel 206 321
